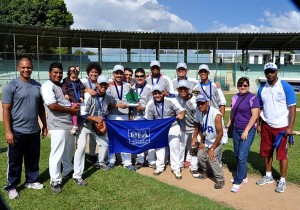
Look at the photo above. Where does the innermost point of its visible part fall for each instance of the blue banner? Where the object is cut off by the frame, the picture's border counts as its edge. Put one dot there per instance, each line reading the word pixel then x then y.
pixel 137 136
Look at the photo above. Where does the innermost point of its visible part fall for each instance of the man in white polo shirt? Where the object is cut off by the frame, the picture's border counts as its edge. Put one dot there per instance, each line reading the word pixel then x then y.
pixel 278 111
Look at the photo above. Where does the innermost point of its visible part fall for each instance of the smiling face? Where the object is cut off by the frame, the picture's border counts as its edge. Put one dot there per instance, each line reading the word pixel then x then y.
pixel 155 71
pixel 55 75
pixel 127 76
pixel 25 69
pixel 101 88
pixel 93 75
pixel 119 74
pixel 140 78
pixel 202 106
pixel 181 73
pixel 157 96
pixel 183 92
pixel 203 74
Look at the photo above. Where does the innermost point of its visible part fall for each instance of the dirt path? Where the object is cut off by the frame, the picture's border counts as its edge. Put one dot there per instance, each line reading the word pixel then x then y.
pixel 250 195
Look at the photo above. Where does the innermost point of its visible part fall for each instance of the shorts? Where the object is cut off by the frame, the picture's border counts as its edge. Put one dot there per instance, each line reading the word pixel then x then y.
pixel 268 135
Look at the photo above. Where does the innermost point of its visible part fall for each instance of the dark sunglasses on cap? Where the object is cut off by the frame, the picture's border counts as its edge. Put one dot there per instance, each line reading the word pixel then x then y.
pixel 269 71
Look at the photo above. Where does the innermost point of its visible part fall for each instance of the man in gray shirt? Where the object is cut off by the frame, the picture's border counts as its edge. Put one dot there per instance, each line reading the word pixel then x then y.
pixel 59 123
pixel 22 130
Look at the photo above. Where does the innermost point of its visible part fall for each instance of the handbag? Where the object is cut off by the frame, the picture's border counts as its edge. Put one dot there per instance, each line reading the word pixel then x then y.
pixel 230 128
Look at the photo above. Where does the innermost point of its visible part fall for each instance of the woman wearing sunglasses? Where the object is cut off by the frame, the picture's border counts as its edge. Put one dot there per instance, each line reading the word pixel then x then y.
pixel 245 110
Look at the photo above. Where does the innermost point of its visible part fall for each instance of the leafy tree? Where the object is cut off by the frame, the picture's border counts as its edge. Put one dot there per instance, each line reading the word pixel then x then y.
pixel 50 13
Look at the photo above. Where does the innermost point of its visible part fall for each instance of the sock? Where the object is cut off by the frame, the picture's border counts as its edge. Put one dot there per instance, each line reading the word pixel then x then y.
pixel 282 179
pixel 268 173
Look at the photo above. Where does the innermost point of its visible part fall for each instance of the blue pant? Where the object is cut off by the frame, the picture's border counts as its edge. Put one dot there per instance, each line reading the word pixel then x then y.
pixel 241 151
pixel 26 146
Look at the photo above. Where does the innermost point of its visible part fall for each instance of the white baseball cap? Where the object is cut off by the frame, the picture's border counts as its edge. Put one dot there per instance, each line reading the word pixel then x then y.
pixel 271 66
pixel 203 67
pixel 102 79
pixel 157 87
pixel 155 63
pixel 182 83
pixel 181 65
pixel 118 67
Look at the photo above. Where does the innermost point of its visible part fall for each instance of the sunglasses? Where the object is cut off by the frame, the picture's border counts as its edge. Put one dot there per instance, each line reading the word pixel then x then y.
pixel 202 71
pixel 139 76
pixel 181 69
pixel 269 71
pixel 243 85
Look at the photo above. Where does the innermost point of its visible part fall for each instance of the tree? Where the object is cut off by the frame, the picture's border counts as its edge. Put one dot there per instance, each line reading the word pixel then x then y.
pixel 50 13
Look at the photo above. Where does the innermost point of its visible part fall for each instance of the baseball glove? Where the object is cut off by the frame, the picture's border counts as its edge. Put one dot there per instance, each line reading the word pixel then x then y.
pixel 99 128
pixel 194 149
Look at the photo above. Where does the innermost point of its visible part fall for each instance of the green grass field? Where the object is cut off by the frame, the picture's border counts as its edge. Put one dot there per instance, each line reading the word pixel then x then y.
pixel 115 189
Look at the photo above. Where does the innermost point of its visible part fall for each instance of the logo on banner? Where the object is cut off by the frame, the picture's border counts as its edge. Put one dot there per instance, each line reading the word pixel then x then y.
pixel 139 137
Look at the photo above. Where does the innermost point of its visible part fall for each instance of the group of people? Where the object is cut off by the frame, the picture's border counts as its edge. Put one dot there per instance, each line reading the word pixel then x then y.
pixel 78 108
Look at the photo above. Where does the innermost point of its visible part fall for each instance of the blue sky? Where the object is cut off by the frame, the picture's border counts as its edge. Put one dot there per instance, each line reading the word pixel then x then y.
pixel 186 16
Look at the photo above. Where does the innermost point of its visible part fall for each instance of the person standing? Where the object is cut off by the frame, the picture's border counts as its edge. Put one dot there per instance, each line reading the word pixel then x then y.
pixel 118 89
pixel 144 94
pixel 188 102
pixel 245 110
pixel 278 112
pixel 161 107
pixel 59 121
pixel 22 129
pixel 209 124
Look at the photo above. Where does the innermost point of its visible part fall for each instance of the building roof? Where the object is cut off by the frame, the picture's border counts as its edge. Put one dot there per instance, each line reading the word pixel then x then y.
pixel 150 40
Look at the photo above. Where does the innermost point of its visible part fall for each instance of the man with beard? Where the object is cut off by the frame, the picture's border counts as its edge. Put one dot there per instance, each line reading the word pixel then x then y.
pixel 278 111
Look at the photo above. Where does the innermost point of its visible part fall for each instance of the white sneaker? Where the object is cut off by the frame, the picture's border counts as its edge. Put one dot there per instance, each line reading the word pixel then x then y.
pixel 35 185
pixel 13 194
pixel 177 174
pixel 245 181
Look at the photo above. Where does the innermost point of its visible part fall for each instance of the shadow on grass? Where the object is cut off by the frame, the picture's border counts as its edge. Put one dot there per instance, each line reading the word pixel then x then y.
pixel 254 159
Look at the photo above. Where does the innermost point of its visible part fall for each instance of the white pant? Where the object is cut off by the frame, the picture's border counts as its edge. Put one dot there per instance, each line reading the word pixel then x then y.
pixel 174 145
pixel 126 157
pixel 185 146
pixel 80 150
pixel 62 149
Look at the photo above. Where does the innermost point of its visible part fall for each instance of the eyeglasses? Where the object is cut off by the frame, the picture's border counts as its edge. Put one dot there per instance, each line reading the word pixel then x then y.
pixel 243 85
pixel 181 69
pixel 203 71
pixel 269 71
pixel 139 76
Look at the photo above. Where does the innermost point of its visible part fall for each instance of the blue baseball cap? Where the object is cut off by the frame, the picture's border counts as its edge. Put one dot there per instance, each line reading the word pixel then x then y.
pixel 201 98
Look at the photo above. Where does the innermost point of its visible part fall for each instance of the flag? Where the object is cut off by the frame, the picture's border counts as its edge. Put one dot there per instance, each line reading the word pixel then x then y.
pixel 137 136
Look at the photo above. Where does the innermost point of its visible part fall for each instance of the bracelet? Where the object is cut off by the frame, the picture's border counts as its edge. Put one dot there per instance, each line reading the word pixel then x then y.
pixel 211 149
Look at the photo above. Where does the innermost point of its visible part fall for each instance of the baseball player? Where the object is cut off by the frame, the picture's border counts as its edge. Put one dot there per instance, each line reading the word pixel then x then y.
pixel 158 108
pixel 118 89
pixel 59 123
pixel 188 102
pixel 209 124
pixel 144 92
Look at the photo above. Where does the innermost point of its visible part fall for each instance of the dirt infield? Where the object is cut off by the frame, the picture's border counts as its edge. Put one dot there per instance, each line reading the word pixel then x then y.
pixel 250 195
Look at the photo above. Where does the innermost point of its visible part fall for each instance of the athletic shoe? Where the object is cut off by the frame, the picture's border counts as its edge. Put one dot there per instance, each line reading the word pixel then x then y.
pixel 203 176
pixel 157 172
pixel 80 181
pixel 92 159
pixel 138 166
pixel 235 188
pixel 111 166
pixel 130 167
pixel 265 180
pixel 35 185
pixel 187 164
pixel 13 194
pixel 102 167
pixel 55 187
pixel 244 180
pixel 219 184
pixel 177 174
pixel 195 173
pixel 152 166
pixel 280 187
pixel 74 130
